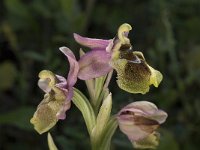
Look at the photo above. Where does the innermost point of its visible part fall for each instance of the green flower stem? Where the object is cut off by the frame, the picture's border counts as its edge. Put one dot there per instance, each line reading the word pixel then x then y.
pixel 91 89
pixel 99 82
pixel 104 91
pixel 96 92
pixel 96 112
pixel 97 89
pixel 102 118
pixel 108 133
pixel 86 109
pixel 51 143
pixel 104 140
pixel 109 76
pixel 103 94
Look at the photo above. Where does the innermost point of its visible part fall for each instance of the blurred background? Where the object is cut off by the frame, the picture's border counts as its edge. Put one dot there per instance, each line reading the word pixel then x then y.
pixel 31 31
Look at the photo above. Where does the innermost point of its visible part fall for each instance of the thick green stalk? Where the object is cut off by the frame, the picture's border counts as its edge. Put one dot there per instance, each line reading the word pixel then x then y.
pixel 104 141
pixel 102 120
pixel 103 95
pixel 91 89
pixel 99 82
pixel 99 124
pixel 108 133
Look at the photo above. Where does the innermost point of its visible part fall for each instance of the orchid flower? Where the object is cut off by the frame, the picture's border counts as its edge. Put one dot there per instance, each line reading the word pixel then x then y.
pixel 133 73
pixel 58 95
pixel 139 121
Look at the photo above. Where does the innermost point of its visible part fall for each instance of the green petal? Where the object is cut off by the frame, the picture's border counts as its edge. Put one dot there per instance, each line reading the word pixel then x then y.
pixel 156 77
pixel 122 40
pixel 121 33
pixel 46 74
pixel 150 141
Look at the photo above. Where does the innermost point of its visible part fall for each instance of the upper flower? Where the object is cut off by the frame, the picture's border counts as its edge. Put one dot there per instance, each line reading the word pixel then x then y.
pixel 133 73
pixel 139 121
pixel 58 95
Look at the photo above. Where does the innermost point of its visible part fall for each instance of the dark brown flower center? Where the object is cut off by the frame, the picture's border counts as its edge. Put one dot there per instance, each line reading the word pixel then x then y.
pixel 146 124
pixel 136 68
pixel 140 120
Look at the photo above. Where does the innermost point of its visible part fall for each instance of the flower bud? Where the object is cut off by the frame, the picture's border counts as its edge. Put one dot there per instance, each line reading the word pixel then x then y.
pixel 139 121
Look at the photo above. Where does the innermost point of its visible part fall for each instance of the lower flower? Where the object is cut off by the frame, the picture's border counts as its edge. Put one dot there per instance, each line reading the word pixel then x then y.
pixel 139 121
pixel 151 141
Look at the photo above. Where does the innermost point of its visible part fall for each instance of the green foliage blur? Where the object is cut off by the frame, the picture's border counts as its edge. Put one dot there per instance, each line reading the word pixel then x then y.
pixel 31 31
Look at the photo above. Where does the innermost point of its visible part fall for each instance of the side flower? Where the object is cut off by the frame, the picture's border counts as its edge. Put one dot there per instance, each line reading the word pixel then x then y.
pixel 139 121
pixel 133 73
pixel 58 95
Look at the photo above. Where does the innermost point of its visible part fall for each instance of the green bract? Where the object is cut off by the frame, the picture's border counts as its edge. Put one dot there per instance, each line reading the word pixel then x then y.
pixel 151 141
